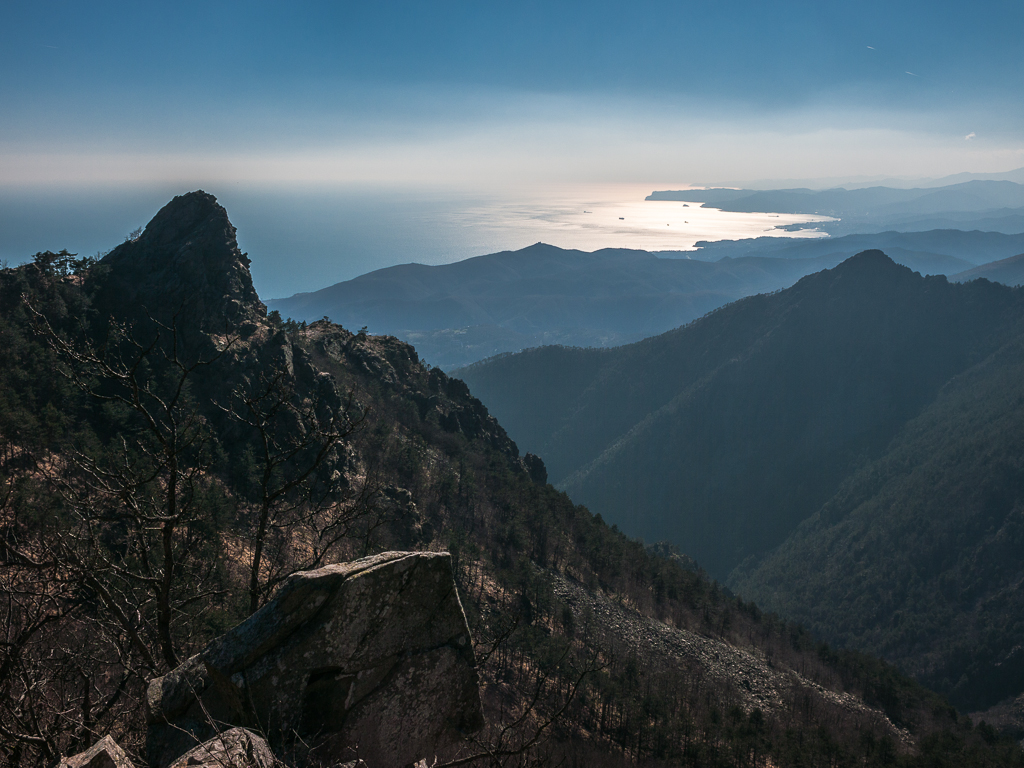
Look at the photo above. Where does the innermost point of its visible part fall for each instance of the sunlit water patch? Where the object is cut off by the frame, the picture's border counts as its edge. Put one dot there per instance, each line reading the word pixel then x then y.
pixel 619 217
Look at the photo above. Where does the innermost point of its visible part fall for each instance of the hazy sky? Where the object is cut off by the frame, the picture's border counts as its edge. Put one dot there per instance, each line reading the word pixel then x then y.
pixel 505 93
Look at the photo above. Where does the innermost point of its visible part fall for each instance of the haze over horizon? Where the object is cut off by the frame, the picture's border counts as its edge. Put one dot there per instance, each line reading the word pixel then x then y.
pixel 521 94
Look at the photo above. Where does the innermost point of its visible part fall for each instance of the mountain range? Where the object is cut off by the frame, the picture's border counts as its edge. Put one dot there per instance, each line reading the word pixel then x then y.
pixel 459 313
pixel 917 556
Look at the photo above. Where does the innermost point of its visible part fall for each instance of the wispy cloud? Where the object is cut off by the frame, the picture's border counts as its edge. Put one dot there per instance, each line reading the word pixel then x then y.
pixel 969 136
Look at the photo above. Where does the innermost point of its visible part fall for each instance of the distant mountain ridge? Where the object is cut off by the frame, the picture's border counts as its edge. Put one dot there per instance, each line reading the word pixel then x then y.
pixel 459 313
pixel 972 246
pixel 1006 271
pixel 866 208
pixel 540 294
pixel 965 196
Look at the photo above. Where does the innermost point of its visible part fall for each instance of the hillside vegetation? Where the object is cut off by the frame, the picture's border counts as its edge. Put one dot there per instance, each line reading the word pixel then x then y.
pixel 845 452
pixel 917 557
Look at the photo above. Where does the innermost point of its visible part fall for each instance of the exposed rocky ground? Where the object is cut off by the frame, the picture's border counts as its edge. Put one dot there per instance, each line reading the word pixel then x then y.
pixel 748 675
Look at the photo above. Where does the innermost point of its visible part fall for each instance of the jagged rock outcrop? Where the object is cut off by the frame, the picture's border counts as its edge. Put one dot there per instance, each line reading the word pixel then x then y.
pixel 105 753
pixel 394 365
pixel 535 468
pixel 185 264
pixel 374 654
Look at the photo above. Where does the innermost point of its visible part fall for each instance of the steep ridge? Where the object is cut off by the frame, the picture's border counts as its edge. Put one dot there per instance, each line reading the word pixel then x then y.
pixel 1006 271
pixel 724 435
pixel 132 509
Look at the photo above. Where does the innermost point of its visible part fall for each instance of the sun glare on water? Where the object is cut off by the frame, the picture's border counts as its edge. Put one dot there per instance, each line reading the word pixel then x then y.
pixel 618 216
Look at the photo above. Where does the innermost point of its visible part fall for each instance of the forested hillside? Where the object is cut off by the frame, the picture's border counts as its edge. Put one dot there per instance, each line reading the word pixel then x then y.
pixel 724 435
pixel 168 454
pixel 918 557
pixel 845 452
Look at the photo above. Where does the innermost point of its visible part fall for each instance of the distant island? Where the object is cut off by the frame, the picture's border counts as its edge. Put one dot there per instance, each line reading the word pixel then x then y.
pixel 990 205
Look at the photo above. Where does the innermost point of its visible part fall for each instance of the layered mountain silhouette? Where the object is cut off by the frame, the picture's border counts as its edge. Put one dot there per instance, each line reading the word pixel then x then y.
pixel 1006 271
pixel 724 435
pixel 966 196
pixel 931 252
pixel 918 555
pixel 459 313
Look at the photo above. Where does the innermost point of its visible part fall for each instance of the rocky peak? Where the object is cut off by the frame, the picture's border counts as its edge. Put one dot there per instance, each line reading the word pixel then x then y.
pixel 185 264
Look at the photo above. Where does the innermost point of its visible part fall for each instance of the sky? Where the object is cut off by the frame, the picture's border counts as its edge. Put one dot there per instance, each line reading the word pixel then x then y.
pixel 505 94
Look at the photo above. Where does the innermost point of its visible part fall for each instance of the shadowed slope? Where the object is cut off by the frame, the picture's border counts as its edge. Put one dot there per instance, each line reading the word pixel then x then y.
pixel 723 435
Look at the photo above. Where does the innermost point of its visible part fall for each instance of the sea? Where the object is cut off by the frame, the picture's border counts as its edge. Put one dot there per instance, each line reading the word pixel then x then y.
pixel 302 239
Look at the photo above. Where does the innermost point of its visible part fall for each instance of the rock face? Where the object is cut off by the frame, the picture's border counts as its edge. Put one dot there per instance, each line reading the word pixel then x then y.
pixel 370 658
pixel 186 263
pixel 105 753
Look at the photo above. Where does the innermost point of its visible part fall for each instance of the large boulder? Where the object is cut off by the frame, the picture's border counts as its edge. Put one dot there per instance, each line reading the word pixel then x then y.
pixel 235 748
pixel 370 658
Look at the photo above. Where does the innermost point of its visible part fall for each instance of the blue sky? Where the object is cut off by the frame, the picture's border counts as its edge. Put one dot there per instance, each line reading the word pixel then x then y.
pixel 478 93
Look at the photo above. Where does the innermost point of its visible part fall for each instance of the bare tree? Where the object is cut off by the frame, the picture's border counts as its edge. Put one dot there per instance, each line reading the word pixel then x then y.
pixel 62 680
pixel 302 494
pixel 536 698
pixel 114 587
pixel 134 517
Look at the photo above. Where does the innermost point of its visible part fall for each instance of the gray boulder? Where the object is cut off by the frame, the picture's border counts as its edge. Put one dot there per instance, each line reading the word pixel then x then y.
pixel 371 658
pixel 235 748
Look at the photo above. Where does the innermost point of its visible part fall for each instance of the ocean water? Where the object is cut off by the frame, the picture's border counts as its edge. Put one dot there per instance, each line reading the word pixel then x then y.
pixel 303 239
